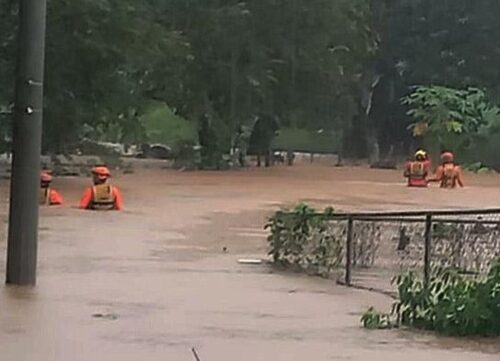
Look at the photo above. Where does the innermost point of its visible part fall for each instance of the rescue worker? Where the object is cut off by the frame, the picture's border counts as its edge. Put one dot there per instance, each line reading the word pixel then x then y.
pixel 448 174
pixel 417 170
pixel 102 195
pixel 48 196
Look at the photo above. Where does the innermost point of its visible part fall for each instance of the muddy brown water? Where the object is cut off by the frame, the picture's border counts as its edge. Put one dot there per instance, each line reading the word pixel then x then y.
pixel 152 282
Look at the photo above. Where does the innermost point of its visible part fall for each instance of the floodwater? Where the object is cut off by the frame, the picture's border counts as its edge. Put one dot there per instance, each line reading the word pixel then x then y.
pixel 162 277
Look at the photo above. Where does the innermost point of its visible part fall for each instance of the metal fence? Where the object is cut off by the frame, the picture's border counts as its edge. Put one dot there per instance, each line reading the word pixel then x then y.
pixel 379 246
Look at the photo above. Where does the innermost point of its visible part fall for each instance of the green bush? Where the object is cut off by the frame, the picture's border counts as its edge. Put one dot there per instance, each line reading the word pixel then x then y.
pixel 163 126
pixel 302 239
pixel 374 320
pixel 451 304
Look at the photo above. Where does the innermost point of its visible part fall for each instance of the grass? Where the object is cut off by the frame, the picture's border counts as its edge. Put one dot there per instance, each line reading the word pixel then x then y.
pixel 301 140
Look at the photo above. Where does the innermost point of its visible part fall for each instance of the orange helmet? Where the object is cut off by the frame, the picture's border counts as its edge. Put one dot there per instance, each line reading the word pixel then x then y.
pixel 45 177
pixel 101 172
pixel 447 157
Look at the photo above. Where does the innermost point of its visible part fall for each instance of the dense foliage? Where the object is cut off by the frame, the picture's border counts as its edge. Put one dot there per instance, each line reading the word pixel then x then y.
pixel 451 119
pixel 340 66
pixel 302 239
pixel 451 304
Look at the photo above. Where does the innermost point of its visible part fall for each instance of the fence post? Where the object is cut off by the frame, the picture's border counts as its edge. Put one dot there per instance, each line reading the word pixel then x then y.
pixel 428 249
pixel 348 255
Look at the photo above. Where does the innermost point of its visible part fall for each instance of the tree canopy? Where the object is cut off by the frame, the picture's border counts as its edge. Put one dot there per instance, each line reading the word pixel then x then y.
pixel 340 66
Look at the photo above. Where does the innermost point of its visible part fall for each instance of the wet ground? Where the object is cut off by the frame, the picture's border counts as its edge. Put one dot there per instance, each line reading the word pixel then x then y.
pixel 154 281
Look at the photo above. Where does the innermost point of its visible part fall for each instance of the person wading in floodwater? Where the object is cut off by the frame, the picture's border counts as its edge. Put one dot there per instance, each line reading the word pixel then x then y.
pixel 48 195
pixel 448 174
pixel 102 196
pixel 417 170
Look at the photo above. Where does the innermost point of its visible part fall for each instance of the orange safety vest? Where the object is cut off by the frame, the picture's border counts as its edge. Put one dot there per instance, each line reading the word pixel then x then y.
pixel 103 197
pixel 449 176
pixel 417 170
pixel 417 174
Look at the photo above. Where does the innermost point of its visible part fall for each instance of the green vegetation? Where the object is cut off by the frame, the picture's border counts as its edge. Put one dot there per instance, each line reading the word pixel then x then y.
pixel 341 66
pixel 303 140
pixel 450 118
pixel 374 320
pixel 162 126
pixel 451 304
pixel 301 239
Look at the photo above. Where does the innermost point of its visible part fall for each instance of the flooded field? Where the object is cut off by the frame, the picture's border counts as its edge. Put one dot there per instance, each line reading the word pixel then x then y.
pixel 162 277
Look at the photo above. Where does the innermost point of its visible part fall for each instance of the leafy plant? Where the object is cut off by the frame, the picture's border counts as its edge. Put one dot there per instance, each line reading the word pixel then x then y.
pixel 374 320
pixel 302 239
pixel 451 303
pixel 451 117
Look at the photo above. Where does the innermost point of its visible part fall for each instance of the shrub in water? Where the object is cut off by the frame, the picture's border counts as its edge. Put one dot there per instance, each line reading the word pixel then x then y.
pixel 452 303
pixel 302 239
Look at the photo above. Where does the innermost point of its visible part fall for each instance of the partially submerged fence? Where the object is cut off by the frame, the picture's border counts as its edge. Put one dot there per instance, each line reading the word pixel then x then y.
pixel 379 246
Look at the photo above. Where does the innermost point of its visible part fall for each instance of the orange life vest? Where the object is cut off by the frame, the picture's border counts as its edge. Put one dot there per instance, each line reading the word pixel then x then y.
pixel 417 170
pixel 449 176
pixel 103 197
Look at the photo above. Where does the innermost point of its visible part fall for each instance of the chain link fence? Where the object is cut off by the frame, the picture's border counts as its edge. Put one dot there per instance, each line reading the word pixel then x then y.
pixel 379 246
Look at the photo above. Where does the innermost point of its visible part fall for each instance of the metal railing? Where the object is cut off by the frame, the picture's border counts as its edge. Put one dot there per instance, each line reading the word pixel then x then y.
pixel 380 245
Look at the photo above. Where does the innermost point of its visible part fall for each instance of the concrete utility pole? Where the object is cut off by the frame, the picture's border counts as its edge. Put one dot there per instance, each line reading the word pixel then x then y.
pixel 27 141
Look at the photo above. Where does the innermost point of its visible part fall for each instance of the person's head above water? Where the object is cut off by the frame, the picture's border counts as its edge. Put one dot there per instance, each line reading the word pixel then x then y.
pixel 447 157
pixel 45 179
pixel 100 174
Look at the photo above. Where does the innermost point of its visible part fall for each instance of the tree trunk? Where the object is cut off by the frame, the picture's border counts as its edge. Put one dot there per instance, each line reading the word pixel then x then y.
pixel 232 110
